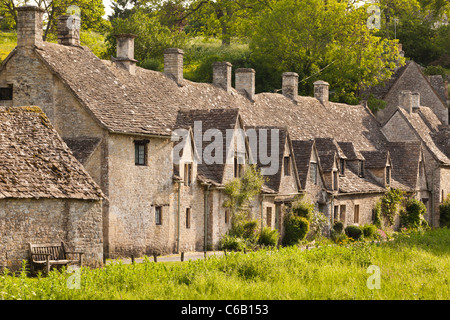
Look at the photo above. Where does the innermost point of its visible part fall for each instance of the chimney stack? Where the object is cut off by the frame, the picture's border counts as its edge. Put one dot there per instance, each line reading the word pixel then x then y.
pixel 222 75
pixel 173 63
pixel 290 85
pixel 415 101
pixel 125 51
pixel 321 91
pixel 405 100
pixel 245 82
pixel 400 50
pixel 69 30
pixel 29 26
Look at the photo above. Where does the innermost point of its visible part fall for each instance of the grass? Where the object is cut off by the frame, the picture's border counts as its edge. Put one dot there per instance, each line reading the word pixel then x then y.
pixel 414 267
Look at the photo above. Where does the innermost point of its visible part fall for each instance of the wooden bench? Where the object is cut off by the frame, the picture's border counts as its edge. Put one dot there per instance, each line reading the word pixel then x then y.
pixel 44 256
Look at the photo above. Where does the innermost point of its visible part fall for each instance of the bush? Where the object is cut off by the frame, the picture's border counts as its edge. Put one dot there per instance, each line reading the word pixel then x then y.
pixel 296 229
pixel 268 237
pixel 338 237
pixel 354 232
pixel 317 223
pixel 444 210
pixel 414 214
pixel 338 226
pixel 302 208
pixel 369 230
pixel 231 243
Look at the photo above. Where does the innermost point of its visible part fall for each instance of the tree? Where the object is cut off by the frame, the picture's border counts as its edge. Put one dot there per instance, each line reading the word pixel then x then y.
pixel 152 38
pixel 318 39
pixel 91 11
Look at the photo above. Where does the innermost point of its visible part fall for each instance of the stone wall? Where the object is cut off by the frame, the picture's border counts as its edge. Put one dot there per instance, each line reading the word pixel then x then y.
pixel 78 223
pixel 366 204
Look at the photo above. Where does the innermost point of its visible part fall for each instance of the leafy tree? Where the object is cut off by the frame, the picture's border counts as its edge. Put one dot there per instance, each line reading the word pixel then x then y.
pixel 91 11
pixel 390 202
pixel 152 38
pixel 320 39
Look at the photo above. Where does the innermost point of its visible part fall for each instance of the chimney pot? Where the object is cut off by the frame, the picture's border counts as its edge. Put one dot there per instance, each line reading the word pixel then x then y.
pixel 245 82
pixel 321 91
pixel 29 26
pixel 69 30
pixel 173 63
pixel 290 85
pixel 222 75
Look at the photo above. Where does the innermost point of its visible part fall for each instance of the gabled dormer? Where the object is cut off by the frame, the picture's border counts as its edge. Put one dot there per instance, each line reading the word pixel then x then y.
pixel 185 156
pixel 378 164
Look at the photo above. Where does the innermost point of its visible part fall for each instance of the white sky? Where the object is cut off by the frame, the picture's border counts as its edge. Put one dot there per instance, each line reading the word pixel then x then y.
pixel 107 4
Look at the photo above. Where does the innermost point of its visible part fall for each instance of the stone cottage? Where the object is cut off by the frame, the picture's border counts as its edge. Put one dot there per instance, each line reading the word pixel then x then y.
pixel 46 196
pixel 120 119
pixel 432 90
pixel 414 122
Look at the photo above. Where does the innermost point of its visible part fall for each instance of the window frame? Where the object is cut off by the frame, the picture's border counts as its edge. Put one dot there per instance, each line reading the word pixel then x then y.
pixel 314 179
pixel 188 218
pixel 269 217
pixel 356 213
pixel 6 96
pixel 137 155
pixel 158 217
pixel 287 166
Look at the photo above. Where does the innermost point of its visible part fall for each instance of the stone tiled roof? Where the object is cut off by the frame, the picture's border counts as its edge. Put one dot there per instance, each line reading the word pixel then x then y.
pixel 405 157
pixel 349 151
pixel 217 119
pixel 424 133
pixel 147 103
pixel 328 148
pixel 302 152
pixel 375 159
pixel 442 141
pixel 351 182
pixel 82 148
pixel 35 162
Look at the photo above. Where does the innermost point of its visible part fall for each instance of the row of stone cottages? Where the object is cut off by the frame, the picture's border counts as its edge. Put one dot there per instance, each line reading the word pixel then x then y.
pixel 124 194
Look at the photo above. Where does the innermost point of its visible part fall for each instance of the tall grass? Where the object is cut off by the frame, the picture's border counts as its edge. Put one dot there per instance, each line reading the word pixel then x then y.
pixel 414 267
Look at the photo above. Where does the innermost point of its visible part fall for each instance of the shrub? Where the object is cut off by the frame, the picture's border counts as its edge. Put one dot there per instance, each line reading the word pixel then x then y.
pixel 413 215
pixel 354 232
pixel 369 230
pixel 444 210
pixel 302 208
pixel 268 237
pixel 317 222
pixel 338 226
pixel 296 229
pixel 338 237
pixel 231 243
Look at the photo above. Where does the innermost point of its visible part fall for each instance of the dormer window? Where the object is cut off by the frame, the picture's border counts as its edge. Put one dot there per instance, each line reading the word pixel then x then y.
pixel 361 168
pixel 6 94
pixel 188 174
pixel 342 166
pixel 388 175
pixel 287 166
pixel 313 172
pixel 335 180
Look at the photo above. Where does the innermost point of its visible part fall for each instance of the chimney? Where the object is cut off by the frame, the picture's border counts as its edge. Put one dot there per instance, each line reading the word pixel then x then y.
pixel 405 100
pixel 173 63
pixel 125 51
pixel 321 91
pixel 222 75
pixel 245 82
pixel 29 26
pixel 415 101
pixel 69 30
pixel 290 85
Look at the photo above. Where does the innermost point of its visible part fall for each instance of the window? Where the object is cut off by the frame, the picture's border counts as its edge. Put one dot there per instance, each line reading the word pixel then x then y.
pixel 287 166
pixel 356 214
pixel 269 217
pixel 361 169
pixel 342 213
pixel 313 172
pixel 188 218
pixel 187 174
pixel 158 216
pixel 388 175
pixel 227 216
pixel 342 166
pixel 6 94
pixel 336 213
pixel 238 167
pixel 277 216
pixel 335 180
pixel 140 152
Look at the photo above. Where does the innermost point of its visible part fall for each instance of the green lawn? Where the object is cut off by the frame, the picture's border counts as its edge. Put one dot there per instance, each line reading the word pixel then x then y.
pixel 415 267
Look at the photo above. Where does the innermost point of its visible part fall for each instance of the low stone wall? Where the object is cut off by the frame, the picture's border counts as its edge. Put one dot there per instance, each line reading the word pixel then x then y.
pixel 78 223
